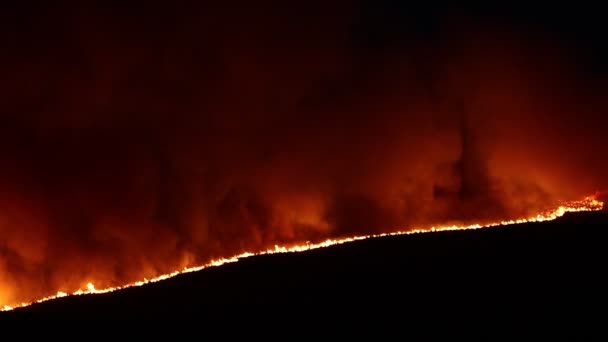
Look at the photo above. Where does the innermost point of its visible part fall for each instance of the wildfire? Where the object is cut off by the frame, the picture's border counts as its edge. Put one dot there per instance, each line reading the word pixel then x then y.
pixel 587 204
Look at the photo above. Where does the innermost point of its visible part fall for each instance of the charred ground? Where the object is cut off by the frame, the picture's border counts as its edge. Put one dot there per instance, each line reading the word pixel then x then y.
pixel 527 271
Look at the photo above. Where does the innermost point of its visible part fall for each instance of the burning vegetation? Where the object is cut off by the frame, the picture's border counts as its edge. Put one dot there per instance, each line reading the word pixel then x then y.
pixel 587 204
pixel 132 151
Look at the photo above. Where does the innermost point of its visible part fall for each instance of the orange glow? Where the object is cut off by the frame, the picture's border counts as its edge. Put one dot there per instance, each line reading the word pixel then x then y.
pixel 587 204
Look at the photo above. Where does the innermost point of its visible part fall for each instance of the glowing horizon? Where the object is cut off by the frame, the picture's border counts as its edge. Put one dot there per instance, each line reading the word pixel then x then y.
pixel 588 204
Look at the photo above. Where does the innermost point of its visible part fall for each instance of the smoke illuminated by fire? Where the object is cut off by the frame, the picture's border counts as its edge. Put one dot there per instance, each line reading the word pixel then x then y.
pixel 130 148
pixel 588 204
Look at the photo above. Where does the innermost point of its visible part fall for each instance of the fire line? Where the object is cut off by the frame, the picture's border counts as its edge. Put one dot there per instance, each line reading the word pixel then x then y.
pixel 587 204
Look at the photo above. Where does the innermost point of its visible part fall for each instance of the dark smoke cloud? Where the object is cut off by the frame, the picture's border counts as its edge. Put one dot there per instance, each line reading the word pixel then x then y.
pixel 137 140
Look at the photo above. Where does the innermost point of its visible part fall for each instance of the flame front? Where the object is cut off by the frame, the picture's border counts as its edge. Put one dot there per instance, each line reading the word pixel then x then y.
pixel 587 204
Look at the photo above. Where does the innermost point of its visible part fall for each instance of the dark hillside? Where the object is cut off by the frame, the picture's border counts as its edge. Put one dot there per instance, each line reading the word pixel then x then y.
pixel 530 272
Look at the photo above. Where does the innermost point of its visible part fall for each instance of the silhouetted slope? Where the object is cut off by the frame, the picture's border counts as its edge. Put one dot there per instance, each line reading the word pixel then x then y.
pixel 529 271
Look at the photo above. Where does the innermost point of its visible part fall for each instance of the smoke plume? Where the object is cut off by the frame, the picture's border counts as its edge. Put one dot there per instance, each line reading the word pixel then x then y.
pixel 134 141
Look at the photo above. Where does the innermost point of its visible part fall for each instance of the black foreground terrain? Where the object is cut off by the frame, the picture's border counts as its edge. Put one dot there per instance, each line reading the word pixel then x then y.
pixel 548 272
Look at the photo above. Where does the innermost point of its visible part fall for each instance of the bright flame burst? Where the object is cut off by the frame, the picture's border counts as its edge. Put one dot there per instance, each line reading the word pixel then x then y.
pixel 587 204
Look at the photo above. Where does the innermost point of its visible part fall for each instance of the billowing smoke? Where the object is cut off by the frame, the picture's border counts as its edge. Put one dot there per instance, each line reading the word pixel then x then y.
pixel 134 141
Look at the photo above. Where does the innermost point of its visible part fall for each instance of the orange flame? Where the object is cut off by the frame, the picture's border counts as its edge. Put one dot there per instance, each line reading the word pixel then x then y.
pixel 587 204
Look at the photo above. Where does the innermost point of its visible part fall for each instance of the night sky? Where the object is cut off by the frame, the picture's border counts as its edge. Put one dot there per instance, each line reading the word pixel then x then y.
pixel 137 139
